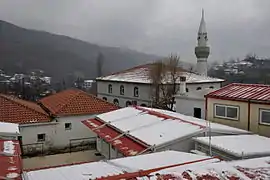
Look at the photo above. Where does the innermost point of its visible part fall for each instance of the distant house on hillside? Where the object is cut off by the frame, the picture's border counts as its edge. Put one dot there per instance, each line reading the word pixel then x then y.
pixel 133 86
pixel 245 106
pixel 54 123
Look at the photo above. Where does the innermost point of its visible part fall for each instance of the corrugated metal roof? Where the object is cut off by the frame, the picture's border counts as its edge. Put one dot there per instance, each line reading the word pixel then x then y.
pixel 121 166
pixel 243 92
pixel 140 74
pixel 133 130
pixel 10 160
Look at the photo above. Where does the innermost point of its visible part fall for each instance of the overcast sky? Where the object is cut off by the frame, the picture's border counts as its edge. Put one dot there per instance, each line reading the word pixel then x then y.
pixel 235 27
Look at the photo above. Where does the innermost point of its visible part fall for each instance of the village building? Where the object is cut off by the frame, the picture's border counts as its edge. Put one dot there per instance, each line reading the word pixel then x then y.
pixel 234 147
pixel 133 86
pixel 55 123
pixel 139 130
pixel 191 103
pixel 244 106
pixel 119 167
pixel 9 131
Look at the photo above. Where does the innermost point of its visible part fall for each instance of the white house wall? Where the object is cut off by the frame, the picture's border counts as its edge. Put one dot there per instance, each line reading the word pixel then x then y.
pixel 186 106
pixel 144 91
pixel 56 137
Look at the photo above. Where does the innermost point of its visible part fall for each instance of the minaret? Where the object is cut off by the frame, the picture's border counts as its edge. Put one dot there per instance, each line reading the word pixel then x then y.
pixel 202 50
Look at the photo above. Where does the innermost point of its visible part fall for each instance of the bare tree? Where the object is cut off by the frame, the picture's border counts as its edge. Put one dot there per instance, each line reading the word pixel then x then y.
pixel 164 76
pixel 100 62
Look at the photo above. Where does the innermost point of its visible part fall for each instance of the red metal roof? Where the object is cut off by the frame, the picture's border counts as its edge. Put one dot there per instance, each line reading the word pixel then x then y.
pixel 15 110
pixel 243 92
pixel 10 164
pixel 123 143
pixel 76 102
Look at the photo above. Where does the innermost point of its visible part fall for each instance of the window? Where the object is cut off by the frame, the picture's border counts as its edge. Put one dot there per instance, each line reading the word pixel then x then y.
pixel 211 87
pixel 143 105
pixel 116 102
pixel 227 112
pixel 110 88
pixel 186 89
pixel 134 103
pixel 104 98
pixel 128 103
pixel 136 92
pixel 122 90
pixel 265 116
pixel 40 137
pixel 199 88
pixel 67 126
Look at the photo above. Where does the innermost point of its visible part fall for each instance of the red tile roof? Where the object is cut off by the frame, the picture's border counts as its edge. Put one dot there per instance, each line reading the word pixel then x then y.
pixel 76 102
pixel 10 160
pixel 243 92
pixel 15 110
pixel 124 144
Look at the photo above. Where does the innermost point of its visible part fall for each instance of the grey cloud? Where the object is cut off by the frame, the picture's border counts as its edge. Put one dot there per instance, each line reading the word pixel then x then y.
pixel 235 27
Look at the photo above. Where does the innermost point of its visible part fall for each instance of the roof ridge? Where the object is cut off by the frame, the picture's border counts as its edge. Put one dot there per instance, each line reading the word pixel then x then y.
pixel 9 98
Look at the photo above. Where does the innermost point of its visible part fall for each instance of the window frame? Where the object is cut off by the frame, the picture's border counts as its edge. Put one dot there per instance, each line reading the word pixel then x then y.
pixel 122 90
pixel 226 111
pixel 136 92
pixel 43 139
pixel 260 116
pixel 70 124
pixel 110 89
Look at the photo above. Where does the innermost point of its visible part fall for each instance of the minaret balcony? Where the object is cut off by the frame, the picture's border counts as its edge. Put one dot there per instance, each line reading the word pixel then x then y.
pixel 202 51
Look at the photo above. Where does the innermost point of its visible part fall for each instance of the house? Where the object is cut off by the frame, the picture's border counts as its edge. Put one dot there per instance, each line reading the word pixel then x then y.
pixel 139 130
pixel 234 147
pixel 133 86
pixel 55 123
pixel 191 103
pixel 244 106
pixel 119 167
pixel 249 169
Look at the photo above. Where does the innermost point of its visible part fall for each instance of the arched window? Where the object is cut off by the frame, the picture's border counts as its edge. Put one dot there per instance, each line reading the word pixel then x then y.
pixel 104 98
pixel 128 103
pixel 116 102
pixel 122 90
pixel 143 105
pixel 211 87
pixel 134 103
pixel 136 92
pixel 199 88
pixel 186 89
pixel 110 88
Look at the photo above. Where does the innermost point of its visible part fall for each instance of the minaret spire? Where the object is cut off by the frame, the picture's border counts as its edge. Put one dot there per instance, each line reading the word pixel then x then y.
pixel 202 50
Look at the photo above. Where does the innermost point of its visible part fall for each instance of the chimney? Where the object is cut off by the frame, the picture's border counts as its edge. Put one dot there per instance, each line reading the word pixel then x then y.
pixel 182 89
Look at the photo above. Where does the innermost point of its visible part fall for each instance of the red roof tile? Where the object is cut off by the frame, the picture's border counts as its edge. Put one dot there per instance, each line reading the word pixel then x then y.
pixel 76 102
pixel 122 143
pixel 243 92
pixel 15 110
pixel 10 164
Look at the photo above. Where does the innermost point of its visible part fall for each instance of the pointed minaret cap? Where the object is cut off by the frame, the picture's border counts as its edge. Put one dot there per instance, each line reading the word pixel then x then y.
pixel 202 28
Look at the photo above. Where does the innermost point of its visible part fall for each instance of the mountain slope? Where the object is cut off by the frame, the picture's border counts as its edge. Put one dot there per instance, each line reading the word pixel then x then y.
pixel 22 50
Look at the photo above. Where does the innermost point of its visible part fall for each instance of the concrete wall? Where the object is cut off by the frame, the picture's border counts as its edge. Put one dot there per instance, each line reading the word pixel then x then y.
pixel 144 91
pixel 186 106
pixel 56 136
pixel 255 125
pixel 241 123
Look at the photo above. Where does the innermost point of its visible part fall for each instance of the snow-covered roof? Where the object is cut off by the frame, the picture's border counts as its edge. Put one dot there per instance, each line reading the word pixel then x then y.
pixel 9 129
pixel 140 74
pixel 251 169
pixel 239 145
pixel 134 130
pixel 100 169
